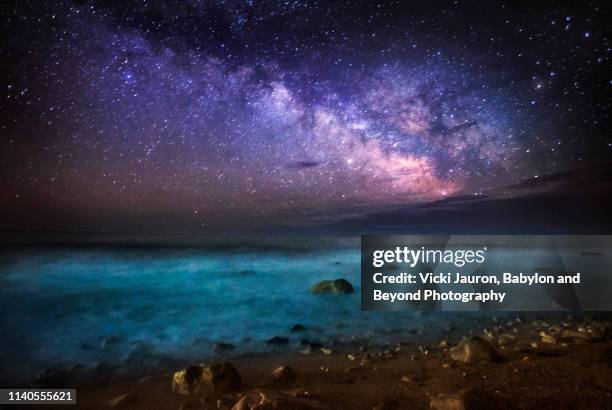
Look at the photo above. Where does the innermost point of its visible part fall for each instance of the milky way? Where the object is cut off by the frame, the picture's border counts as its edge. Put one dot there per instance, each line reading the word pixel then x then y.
pixel 212 109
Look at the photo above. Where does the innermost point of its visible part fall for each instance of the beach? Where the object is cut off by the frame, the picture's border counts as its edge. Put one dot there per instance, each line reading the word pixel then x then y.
pixel 541 364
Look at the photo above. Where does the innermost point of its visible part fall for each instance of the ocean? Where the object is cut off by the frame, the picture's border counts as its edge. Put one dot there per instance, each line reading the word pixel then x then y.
pixel 63 307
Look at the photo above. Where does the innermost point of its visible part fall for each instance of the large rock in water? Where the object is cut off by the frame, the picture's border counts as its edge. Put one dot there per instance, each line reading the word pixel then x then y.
pixel 337 286
pixel 218 378
pixel 474 349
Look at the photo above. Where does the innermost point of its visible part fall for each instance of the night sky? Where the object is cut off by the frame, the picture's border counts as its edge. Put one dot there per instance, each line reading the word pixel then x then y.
pixel 160 116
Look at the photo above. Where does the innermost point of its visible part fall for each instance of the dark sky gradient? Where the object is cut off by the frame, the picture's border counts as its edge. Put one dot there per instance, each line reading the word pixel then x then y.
pixel 224 115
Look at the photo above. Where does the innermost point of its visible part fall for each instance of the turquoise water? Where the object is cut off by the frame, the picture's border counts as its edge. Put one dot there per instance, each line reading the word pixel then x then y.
pixel 63 307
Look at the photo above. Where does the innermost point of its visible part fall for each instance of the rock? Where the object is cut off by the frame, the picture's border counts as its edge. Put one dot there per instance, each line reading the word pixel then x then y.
pixel 507 335
pixel 447 402
pixel 505 339
pixel 576 335
pixel 297 328
pixel 408 379
pixel 222 347
pixel 474 349
pixel 215 379
pixel 122 400
pixel 464 400
pixel 548 338
pixel 241 404
pixel 283 376
pixel 337 286
pixel 277 340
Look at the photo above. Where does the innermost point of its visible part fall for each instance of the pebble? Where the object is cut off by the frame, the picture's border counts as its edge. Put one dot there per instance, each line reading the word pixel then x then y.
pixel 407 379
pixel 284 375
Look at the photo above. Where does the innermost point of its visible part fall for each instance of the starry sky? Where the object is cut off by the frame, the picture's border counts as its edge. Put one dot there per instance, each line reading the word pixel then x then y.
pixel 158 116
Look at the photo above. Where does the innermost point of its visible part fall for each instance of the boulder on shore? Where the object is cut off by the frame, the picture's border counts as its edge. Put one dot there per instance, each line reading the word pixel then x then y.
pixel 337 286
pixel 218 378
pixel 473 350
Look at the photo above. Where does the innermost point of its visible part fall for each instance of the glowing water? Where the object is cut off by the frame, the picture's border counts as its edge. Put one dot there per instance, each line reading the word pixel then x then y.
pixel 66 306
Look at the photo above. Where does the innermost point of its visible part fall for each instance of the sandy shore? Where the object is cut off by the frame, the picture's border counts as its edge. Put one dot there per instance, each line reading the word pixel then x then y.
pixel 516 364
